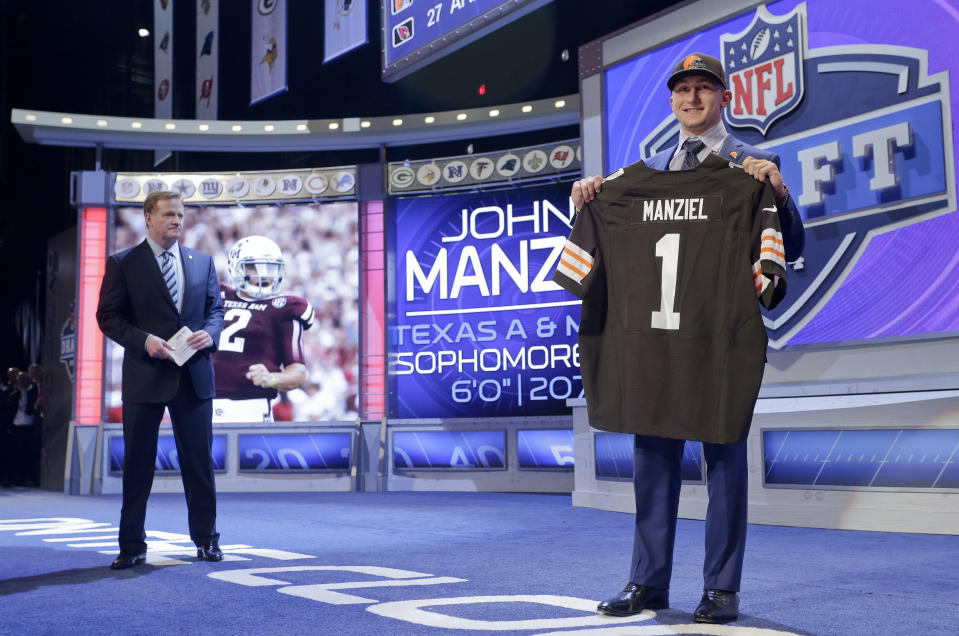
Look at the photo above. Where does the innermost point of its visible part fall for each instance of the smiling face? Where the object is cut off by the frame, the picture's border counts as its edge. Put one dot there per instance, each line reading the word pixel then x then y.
pixel 697 102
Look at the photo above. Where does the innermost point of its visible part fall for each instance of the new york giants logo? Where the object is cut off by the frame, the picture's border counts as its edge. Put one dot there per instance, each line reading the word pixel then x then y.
pixel 764 68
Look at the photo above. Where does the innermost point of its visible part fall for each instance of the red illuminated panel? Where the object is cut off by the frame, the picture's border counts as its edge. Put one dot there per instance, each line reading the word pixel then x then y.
pixel 93 251
pixel 373 315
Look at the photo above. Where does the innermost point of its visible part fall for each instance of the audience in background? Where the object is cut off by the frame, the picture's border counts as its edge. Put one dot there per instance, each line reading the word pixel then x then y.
pixel 19 428
pixel 9 400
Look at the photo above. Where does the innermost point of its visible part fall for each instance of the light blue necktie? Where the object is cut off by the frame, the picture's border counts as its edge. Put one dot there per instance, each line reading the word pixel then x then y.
pixel 169 275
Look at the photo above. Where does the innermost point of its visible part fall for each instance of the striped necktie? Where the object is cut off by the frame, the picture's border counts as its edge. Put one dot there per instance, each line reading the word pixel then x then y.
pixel 169 275
pixel 692 148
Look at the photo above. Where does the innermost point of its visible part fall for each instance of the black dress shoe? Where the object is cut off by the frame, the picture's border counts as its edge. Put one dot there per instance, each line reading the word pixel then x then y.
pixel 211 552
pixel 125 561
pixel 633 600
pixel 717 606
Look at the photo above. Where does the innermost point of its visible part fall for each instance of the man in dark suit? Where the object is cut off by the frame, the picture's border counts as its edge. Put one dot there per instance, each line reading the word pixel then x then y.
pixel 698 95
pixel 149 292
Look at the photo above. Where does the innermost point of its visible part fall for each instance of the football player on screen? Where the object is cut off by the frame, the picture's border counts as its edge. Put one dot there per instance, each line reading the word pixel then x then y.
pixel 261 347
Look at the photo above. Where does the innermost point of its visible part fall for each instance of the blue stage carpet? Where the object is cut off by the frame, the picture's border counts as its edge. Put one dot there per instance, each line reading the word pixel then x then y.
pixel 439 563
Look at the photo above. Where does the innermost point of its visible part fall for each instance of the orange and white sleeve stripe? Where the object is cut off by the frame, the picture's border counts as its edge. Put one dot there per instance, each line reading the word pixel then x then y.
pixel 575 262
pixel 772 251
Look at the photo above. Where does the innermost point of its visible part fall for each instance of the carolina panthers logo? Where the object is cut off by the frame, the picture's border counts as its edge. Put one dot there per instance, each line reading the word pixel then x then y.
pixel 858 166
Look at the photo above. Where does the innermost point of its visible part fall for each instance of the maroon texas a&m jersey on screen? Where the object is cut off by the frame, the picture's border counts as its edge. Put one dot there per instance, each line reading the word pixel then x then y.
pixel 267 332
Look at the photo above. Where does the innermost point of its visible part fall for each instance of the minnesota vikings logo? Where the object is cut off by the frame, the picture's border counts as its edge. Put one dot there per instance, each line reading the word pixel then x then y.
pixel 270 56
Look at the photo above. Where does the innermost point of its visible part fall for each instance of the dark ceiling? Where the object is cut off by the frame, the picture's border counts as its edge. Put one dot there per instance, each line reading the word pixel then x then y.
pixel 86 57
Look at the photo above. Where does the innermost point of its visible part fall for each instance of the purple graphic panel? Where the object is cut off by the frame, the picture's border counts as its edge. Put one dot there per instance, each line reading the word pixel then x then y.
pixel 856 98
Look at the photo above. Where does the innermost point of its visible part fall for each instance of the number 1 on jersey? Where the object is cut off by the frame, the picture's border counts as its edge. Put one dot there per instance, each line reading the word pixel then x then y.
pixel 667 248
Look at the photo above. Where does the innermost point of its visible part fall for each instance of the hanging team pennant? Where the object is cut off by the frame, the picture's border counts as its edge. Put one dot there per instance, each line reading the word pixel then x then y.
pixel 268 49
pixel 207 57
pixel 162 66
pixel 344 27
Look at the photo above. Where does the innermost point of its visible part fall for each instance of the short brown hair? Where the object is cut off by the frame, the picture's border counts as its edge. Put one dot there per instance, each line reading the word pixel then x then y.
pixel 150 203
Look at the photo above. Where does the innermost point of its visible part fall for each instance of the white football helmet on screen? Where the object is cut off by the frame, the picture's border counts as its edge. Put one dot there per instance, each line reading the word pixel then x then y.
pixel 255 265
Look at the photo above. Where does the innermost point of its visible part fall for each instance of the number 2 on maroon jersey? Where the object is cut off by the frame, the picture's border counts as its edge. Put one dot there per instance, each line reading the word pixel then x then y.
pixel 227 340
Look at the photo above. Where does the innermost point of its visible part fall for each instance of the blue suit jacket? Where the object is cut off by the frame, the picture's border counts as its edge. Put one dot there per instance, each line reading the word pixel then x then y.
pixel 134 301
pixel 733 149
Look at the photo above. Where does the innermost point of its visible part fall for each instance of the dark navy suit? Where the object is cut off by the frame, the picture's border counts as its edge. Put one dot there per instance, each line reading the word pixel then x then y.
pixel 135 302
pixel 657 475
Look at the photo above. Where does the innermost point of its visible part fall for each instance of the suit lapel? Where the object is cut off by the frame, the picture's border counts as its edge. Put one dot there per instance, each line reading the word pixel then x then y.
pixel 660 161
pixel 732 149
pixel 186 258
pixel 148 263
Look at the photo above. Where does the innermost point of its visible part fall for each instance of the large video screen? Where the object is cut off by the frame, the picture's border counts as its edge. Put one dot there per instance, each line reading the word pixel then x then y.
pixel 320 247
pixel 416 33
pixel 856 98
pixel 477 326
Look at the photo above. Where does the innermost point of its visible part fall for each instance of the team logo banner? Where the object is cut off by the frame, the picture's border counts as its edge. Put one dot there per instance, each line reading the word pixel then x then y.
pixel 479 327
pixel 268 49
pixel 162 66
pixel 207 58
pixel 863 129
pixel 345 27
pixel 493 168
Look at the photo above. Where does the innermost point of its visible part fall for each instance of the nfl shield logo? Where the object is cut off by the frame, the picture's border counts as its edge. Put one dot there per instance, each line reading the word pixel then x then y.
pixel 764 67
